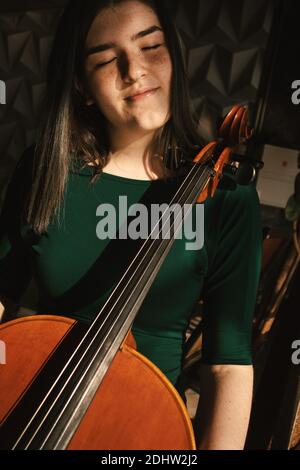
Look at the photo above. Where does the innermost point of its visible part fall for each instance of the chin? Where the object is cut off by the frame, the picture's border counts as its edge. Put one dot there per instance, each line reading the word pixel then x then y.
pixel 153 122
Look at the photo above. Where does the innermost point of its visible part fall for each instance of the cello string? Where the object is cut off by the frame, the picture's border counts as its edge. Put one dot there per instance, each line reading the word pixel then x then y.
pixel 86 390
pixel 87 333
pixel 194 169
pixel 78 384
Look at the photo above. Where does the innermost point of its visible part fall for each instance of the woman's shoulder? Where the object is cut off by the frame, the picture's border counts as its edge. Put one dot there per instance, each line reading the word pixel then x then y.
pixel 244 195
pixel 242 208
pixel 232 219
pixel 238 201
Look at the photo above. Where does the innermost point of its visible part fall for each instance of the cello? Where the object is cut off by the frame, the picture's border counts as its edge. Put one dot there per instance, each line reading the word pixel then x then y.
pixel 67 385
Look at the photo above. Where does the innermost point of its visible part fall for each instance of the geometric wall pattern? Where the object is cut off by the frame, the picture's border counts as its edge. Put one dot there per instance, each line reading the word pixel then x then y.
pixel 25 42
pixel 225 43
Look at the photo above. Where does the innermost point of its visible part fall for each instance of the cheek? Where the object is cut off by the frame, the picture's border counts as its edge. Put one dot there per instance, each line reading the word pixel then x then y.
pixel 102 90
pixel 164 68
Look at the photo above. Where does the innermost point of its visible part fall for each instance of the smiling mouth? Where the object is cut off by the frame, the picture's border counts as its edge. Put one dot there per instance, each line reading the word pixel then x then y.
pixel 141 95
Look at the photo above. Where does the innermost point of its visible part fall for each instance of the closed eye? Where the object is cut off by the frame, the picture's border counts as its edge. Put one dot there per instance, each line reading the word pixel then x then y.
pixel 152 47
pixel 104 63
pixel 156 46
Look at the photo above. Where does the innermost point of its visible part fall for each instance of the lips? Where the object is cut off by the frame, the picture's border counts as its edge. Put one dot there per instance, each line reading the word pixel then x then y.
pixel 141 94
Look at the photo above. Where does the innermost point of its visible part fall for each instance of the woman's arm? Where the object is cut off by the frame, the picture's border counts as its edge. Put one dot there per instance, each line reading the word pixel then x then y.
pixel 224 407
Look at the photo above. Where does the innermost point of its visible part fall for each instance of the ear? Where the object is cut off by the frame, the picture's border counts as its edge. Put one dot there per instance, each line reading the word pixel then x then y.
pixel 86 96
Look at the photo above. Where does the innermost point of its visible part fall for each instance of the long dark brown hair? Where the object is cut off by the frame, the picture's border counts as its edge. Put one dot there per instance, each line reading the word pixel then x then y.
pixel 70 131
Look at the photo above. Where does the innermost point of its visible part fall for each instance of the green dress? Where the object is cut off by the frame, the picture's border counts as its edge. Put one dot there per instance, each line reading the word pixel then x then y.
pixel 74 279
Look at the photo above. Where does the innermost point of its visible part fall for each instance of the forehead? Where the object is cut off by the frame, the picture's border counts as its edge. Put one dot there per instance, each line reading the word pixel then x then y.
pixel 121 21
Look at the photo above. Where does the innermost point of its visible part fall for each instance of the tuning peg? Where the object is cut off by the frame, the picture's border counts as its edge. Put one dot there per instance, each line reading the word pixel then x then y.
pixel 241 170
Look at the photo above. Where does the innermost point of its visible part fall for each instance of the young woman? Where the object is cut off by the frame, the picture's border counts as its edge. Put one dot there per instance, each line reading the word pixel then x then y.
pixel 117 122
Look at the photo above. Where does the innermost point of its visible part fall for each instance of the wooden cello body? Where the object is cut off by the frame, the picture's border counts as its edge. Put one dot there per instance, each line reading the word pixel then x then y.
pixel 136 407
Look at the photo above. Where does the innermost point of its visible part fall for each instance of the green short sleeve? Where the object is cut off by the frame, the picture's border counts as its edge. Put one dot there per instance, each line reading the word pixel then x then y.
pixel 230 287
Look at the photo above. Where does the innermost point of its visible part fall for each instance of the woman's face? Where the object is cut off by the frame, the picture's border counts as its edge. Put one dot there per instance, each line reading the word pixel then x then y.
pixel 126 54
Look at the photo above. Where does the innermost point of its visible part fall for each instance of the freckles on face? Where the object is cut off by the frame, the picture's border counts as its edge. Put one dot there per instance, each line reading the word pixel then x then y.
pixel 134 59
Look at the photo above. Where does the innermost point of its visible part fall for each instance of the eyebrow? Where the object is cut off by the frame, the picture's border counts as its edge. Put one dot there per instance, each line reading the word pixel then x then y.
pixel 110 45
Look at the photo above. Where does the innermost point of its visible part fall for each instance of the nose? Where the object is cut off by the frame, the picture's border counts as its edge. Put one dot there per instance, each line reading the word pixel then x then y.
pixel 132 67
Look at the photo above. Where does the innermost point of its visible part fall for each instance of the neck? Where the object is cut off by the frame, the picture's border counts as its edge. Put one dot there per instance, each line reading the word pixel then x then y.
pixel 130 156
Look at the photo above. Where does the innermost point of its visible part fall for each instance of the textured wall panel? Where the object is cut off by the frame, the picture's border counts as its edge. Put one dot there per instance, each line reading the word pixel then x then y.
pixel 25 42
pixel 225 44
pixel 25 5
